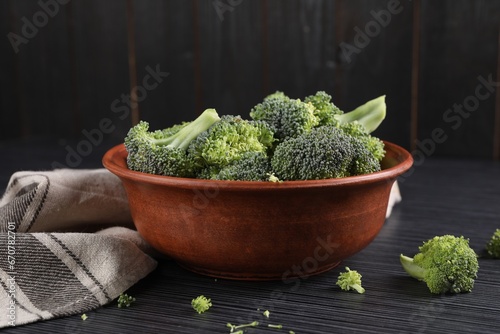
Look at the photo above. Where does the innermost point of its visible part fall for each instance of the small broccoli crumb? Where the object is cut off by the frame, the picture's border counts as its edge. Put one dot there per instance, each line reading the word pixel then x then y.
pixel 266 313
pixel 275 326
pixel 84 317
pixel 493 246
pixel 235 327
pixel 125 300
pixel 350 280
pixel 273 178
pixel 201 304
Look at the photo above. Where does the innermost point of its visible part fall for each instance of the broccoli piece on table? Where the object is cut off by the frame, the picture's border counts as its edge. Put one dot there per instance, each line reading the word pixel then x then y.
pixel 350 280
pixel 164 152
pixel 125 300
pixel 445 263
pixel 324 152
pixel 239 327
pixel 493 246
pixel 252 166
pixel 201 304
pixel 228 141
pixel 287 117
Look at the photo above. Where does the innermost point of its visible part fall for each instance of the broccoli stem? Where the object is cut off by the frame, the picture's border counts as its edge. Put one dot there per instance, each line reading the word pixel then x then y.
pixel 233 327
pixel 411 268
pixel 187 134
pixel 370 115
pixel 358 288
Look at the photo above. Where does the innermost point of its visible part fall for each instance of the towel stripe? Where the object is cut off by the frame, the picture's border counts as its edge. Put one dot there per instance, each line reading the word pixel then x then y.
pixel 25 206
pixel 45 280
pixel 81 265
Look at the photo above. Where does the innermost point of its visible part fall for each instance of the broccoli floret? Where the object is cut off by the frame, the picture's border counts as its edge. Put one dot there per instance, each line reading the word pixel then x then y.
pixel 445 263
pixel 125 300
pixel 252 166
pixel 287 117
pixel 228 141
pixel 350 280
pixel 372 143
pixel 201 304
pixel 164 152
pixel 369 115
pixel 493 246
pixel 325 110
pixel 324 152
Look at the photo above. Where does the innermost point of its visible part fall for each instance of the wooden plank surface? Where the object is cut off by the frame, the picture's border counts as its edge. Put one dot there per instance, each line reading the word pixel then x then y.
pixel 10 115
pixel 375 52
pixel 442 196
pixel 229 54
pixel 164 34
pixel 459 54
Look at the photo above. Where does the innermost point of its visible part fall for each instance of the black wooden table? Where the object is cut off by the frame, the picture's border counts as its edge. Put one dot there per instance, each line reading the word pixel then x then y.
pixel 459 197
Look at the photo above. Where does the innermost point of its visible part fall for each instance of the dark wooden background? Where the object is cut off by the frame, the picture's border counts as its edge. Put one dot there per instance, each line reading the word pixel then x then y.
pixel 87 55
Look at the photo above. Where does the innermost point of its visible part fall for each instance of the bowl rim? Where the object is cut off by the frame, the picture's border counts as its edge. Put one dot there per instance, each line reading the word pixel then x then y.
pixel 115 161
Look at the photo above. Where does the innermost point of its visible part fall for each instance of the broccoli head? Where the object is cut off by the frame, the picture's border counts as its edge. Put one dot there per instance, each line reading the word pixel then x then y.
pixel 252 166
pixel 164 152
pixel 350 280
pixel 228 140
pixel 325 110
pixel 324 152
pixel 493 246
pixel 446 264
pixel 372 143
pixel 287 117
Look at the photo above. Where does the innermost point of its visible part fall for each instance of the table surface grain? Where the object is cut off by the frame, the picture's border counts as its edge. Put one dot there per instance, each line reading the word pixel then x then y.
pixel 441 196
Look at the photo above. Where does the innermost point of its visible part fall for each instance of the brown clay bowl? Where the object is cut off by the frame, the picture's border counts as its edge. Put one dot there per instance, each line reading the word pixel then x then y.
pixel 259 230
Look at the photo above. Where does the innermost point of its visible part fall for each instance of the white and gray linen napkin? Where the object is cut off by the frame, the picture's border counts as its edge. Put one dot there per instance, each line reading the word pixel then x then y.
pixel 67 245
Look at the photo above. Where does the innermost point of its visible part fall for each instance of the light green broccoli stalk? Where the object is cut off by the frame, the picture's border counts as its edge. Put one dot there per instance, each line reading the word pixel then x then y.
pixel 493 246
pixel 350 280
pixel 238 327
pixel 370 115
pixel 201 304
pixel 445 263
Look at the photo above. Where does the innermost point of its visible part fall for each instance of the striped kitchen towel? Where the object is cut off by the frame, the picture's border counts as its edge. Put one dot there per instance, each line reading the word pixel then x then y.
pixel 67 245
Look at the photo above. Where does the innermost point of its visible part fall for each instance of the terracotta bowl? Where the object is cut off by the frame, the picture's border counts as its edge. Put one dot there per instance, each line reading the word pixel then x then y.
pixel 259 230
